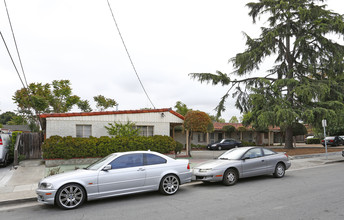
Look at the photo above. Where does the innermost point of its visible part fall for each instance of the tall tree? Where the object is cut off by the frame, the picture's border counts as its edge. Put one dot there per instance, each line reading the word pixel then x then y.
pixel 61 98
pixel 104 103
pixel 182 108
pixel 306 81
pixel 197 121
pixel 233 119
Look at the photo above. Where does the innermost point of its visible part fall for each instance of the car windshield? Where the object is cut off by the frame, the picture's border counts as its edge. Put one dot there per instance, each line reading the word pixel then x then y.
pixel 233 154
pixel 99 163
pixel 223 140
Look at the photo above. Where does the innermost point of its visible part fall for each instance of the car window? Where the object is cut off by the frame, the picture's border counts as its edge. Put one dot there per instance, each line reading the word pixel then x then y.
pixel 151 159
pixel 129 160
pixel 268 152
pixel 253 153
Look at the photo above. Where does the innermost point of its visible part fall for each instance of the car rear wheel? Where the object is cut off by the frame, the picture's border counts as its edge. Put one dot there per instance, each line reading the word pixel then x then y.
pixel 70 196
pixel 230 177
pixel 169 185
pixel 279 170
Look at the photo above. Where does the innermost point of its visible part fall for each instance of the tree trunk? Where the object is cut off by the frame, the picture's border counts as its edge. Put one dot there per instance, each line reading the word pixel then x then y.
pixel 289 138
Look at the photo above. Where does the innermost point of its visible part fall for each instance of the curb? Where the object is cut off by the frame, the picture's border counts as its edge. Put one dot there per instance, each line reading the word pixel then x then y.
pixel 10 202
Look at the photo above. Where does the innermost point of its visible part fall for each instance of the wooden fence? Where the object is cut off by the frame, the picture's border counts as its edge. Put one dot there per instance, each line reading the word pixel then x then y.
pixel 29 145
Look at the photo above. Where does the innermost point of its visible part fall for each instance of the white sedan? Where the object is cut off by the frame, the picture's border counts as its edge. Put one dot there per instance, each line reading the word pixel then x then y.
pixel 240 163
pixel 116 174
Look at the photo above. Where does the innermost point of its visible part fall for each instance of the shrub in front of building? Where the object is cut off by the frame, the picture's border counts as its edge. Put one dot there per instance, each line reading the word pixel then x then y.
pixel 313 141
pixel 57 147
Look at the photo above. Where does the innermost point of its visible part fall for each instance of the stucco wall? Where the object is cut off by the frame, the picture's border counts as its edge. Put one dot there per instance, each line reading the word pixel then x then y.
pixel 66 126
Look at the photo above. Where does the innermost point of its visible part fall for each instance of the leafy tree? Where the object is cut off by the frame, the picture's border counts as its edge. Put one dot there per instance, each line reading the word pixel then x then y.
pixel 233 119
pixel 104 103
pixel 197 121
pixel 306 81
pixel 217 119
pixel 61 98
pixel 122 130
pixel 182 108
pixel 84 106
pixel 6 116
pixel 46 98
pixel 228 129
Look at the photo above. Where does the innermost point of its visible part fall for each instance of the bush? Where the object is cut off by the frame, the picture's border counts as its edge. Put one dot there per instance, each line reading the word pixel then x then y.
pixel 246 143
pixel 198 146
pixel 57 147
pixel 13 142
pixel 313 141
pixel 179 147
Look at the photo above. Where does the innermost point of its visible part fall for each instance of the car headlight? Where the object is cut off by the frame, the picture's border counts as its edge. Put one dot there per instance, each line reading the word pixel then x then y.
pixel 205 170
pixel 45 185
pixel 214 145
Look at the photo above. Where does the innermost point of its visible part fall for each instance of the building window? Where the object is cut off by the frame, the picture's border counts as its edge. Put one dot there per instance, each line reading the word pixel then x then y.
pixel 83 130
pixel 146 131
pixel 202 137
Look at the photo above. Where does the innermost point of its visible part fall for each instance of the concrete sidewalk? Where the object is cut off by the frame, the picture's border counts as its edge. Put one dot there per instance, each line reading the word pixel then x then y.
pixel 20 183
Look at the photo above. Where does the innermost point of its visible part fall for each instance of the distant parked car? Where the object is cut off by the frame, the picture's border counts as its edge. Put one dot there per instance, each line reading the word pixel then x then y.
pixel 333 141
pixel 5 141
pixel 224 144
pixel 116 174
pixel 240 163
pixel 343 153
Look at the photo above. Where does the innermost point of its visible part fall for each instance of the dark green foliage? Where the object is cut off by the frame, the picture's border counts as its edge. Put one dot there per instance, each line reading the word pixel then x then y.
pixel 313 141
pixel 13 142
pixel 198 146
pixel 57 147
pixel 179 147
pixel 306 81
pixel 246 143
pixel 228 129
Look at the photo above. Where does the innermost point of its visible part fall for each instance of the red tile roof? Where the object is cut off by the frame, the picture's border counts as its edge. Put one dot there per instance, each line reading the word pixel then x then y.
pixel 111 113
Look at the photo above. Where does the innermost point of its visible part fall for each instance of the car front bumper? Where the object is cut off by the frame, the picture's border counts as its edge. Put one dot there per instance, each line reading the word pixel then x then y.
pixel 46 196
pixel 209 176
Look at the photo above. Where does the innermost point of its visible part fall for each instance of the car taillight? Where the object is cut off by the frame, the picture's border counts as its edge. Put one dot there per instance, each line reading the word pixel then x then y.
pixel 331 140
pixel 188 167
pixel 0 141
pixel 286 155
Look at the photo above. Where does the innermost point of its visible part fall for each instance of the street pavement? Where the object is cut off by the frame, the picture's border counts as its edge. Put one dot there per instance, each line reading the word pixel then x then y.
pixel 18 184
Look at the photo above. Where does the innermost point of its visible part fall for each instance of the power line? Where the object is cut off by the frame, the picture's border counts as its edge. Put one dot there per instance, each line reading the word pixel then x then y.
pixel 9 53
pixel 132 64
pixel 15 42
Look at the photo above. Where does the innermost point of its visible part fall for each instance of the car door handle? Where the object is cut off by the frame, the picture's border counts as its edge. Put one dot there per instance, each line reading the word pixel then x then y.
pixel 141 169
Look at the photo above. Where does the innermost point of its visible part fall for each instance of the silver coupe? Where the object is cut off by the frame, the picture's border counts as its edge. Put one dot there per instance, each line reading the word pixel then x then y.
pixel 240 163
pixel 116 174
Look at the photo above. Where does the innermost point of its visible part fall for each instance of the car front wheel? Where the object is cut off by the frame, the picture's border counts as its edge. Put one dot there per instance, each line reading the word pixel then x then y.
pixel 169 185
pixel 230 177
pixel 279 170
pixel 70 196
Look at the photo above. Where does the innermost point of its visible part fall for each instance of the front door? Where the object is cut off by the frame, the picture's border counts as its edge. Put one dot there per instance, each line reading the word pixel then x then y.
pixel 127 174
pixel 254 163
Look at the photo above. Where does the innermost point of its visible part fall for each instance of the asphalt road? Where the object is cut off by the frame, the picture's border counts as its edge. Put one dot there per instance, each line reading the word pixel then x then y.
pixel 315 193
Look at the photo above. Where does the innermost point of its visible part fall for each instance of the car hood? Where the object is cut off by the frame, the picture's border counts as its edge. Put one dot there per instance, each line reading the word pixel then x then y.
pixel 75 174
pixel 215 163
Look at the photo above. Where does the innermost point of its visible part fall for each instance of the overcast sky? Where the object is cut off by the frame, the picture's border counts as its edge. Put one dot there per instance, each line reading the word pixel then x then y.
pixel 78 40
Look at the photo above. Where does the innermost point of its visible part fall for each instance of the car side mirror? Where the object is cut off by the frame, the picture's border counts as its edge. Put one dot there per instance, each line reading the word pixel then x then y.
pixel 245 158
pixel 107 167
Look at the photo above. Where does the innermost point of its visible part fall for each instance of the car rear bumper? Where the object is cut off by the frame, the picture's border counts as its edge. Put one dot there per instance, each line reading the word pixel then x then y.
pixel 185 177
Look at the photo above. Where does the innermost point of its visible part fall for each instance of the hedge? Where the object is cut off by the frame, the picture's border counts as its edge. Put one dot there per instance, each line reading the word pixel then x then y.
pixel 57 147
pixel 313 141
